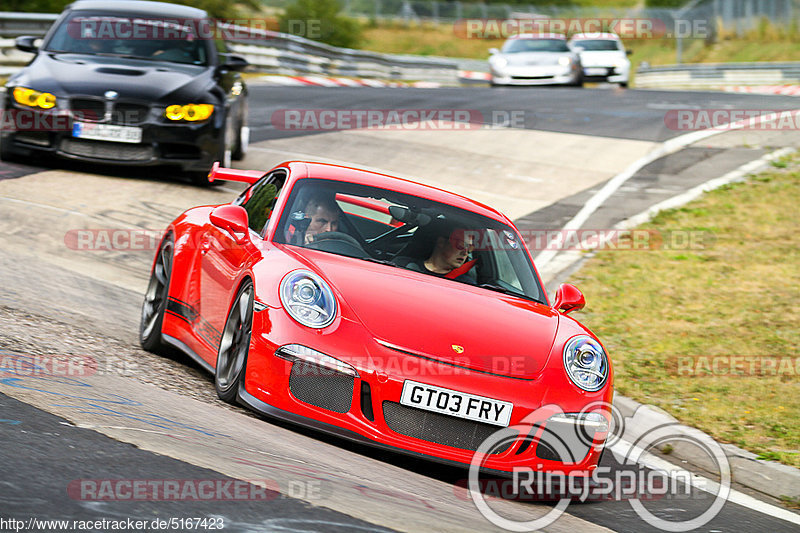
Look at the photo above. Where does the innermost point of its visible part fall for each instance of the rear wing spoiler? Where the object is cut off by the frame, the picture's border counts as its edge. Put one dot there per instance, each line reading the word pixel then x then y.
pixel 232 174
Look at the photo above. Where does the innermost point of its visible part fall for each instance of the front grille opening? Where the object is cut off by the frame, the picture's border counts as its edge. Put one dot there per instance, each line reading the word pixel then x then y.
pixel 39 138
pixel 562 442
pixel 128 113
pixel 439 428
pixel 321 387
pixel 88 109
pixel 180 151
pixel 107 150
pixel 528 440
pixel 366 402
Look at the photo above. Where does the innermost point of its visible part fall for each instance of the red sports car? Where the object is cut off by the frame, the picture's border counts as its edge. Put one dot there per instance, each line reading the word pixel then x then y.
pixel 384 311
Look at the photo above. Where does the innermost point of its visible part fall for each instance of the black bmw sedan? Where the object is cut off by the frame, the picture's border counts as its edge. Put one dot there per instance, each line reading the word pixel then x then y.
pixel 128 83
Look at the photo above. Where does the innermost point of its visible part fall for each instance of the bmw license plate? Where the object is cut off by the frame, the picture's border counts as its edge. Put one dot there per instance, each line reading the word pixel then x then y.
pixel 106 132
pixel 455 403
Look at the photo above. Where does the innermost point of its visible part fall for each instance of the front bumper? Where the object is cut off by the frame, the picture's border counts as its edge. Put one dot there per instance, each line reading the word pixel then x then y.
pixel 536 75
pixel 367 407
pixel 606 73
pixel 190 146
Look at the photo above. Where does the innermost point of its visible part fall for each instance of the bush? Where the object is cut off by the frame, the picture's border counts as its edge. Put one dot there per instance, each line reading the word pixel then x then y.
pixel 320 20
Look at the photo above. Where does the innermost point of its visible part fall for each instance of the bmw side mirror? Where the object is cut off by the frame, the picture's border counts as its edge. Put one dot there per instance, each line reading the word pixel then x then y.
pixel 568 299
pixel 26 43
pixel 233 62
pixel 231 218
pixel 494 51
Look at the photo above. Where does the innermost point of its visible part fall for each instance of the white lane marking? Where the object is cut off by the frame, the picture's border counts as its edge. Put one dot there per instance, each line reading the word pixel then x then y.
pixel 623 448
pixel 666 148
pixel 45 206
pixel 686 197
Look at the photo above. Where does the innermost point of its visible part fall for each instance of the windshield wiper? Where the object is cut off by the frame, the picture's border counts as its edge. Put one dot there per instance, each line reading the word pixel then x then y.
pixel 498 288
pixel 380 261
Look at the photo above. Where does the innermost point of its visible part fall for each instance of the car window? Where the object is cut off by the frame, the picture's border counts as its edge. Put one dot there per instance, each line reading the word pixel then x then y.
pixel 375 224
pixel 260 198
pixel 535 45
pixel 599 45
pixel 106 34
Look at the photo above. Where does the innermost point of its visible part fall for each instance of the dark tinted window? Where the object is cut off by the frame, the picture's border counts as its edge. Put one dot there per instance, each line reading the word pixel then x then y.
pixel 535 45
pixel 599 45
pixel 155 39
pixel 259 200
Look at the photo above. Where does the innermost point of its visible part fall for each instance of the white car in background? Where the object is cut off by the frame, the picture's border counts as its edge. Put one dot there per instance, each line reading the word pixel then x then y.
pixel 535 59
pixel 603 57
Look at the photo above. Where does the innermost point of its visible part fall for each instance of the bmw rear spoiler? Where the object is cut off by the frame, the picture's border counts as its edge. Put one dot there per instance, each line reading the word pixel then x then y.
pixel 232 174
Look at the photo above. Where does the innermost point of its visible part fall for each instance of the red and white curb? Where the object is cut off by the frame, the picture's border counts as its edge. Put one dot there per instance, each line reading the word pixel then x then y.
pixel 322 81
pixel 785 90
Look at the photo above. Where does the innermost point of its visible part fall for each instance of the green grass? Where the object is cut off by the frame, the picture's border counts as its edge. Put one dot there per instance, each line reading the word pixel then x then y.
pixel 763 44
pixel 736 294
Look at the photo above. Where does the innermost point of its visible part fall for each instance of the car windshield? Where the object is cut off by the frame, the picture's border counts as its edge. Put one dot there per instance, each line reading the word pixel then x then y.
pixel 403 231
pixel 135 37
pixel 514 46
pixel 599 45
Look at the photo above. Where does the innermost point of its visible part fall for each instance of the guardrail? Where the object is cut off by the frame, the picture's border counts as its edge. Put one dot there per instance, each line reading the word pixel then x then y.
pixel 267 51
pixel 711 75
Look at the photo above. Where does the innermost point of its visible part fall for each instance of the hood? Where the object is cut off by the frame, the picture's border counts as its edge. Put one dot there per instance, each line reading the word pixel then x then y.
pixel 535 58
pixel 79 74
pixel 432 317
pixel 602 58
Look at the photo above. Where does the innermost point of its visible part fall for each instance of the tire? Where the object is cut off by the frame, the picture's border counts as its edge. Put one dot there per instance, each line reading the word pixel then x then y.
pixel 155 298
pixel 6 153
pixel 623 84
pixel 235 343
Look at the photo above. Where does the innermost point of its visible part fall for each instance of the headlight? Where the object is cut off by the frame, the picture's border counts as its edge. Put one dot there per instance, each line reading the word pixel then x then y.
pixel 565 61
pixel 499 61
pixel 308 299
pixel 586 363
pixel 31 98
pixel 190 112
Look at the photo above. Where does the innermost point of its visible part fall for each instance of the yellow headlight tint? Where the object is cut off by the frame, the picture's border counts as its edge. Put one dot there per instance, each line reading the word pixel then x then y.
pixel 189 112
pixel 31 98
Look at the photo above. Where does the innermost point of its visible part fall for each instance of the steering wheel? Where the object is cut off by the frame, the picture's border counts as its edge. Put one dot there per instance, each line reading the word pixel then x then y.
pixel 337 242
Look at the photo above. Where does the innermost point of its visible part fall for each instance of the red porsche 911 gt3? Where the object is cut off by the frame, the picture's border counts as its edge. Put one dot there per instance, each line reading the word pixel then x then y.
pixel 384 311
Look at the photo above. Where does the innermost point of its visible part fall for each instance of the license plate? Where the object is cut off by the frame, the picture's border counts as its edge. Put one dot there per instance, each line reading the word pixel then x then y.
pixel 455 403
pixel 596 71
pixel 107 132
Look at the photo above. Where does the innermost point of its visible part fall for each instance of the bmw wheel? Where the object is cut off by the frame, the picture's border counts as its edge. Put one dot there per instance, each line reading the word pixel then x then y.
pixel 155 299
pixel 235 343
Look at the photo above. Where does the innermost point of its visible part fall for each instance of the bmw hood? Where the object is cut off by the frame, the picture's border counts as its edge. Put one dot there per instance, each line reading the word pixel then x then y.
pixel 78 74
pixel 439 319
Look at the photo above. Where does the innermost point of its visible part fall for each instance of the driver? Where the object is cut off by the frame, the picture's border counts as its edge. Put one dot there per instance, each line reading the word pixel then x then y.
pixel 323 214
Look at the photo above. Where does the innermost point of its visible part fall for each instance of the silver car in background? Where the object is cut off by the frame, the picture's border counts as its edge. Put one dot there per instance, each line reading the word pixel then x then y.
pixel 603 57
pixel 535 59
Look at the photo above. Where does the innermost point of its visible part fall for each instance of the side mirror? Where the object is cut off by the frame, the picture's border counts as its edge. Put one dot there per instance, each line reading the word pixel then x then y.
pixel 231 218
pixel 26 43
pixel 232 62
pixel 628 52
pixel 568 299
pixel 494 51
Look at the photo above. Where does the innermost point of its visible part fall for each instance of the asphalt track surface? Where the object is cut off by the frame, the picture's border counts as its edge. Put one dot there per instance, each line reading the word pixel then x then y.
pixel 54 305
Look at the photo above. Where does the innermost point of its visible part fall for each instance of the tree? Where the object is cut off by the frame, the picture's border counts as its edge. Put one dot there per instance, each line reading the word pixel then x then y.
pixel 320 20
